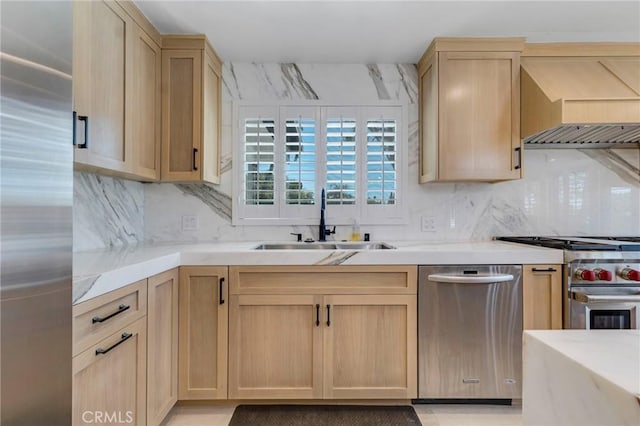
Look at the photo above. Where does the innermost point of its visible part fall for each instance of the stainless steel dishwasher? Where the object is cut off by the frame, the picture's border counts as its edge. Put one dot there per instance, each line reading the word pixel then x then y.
pixel 470 332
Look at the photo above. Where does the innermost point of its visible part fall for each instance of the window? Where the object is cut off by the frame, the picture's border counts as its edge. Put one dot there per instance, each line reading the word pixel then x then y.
pixel 300 160
pixel 381 161
pixel 289 154
pixel 259 165
pixel 341 160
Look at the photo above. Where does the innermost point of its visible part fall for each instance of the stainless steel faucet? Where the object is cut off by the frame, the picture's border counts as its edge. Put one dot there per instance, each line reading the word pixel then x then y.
pixel 324 231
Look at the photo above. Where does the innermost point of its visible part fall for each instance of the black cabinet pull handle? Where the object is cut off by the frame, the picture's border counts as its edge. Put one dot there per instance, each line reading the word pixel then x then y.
pixel 221 296
pixel 84 118
pixel 519 151
pixel 120 310
pixel 328 315
pixel 317 315
pixel 543 270
pixel 125 336
pixel 195 152
pixel 75 119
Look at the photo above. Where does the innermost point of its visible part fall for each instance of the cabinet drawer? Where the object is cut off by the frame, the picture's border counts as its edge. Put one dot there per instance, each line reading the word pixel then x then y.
pixel 98 318
pixel 392 279
pixel 109 379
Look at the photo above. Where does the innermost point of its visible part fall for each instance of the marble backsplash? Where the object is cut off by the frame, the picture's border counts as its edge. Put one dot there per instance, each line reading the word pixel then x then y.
pixel 564 191
pixel 107 212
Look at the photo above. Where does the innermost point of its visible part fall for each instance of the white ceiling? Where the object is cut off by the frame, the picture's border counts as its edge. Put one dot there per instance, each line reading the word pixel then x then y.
pixel 382 31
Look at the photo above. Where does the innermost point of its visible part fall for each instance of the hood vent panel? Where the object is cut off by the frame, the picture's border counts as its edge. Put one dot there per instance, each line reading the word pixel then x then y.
pixel 580 102
pixel 587 136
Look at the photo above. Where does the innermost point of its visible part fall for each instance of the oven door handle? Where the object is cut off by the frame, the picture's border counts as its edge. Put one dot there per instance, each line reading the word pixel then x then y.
pixel 470 279
pixel 591 298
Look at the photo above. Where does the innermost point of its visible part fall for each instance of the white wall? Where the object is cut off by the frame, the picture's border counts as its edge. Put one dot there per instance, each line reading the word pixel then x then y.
pixel 564 192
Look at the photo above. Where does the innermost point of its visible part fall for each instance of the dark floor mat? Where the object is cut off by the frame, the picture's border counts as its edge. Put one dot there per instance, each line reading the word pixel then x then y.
pixel 324 415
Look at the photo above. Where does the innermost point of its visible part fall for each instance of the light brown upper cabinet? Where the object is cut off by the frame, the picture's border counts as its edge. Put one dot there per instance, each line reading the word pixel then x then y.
pixel 470 110
pixel 191 83
pixel 99 75
pixel 145 111
pixel 116 90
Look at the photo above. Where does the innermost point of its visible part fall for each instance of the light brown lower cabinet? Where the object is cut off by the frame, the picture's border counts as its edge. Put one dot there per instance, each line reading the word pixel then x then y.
pixel 370 347
pixel 109 379
pixel 162 345
pixel 203 329
pixel 542 297
pixel 275 347
pixel 315 346
pixel 170 337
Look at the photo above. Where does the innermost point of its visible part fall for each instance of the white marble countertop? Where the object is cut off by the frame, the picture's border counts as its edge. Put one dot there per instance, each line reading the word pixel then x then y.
pixel 587 377
pixel 98 272
pixel 612 354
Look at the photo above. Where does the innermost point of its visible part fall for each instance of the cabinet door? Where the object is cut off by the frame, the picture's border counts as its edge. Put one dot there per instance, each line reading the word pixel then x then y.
pixel 143 106
pixel 429 121
pixel 212 119
pixel 275 347
pixel 370 347
pixel 100 43
pixel 479 116
pixel 109 379
pixel 162 338
pixel 181 114
pixel 542 297
pixel 203 333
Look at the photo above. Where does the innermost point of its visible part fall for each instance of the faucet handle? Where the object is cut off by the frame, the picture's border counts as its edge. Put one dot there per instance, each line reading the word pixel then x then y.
pixel 331 231
pixel 297 235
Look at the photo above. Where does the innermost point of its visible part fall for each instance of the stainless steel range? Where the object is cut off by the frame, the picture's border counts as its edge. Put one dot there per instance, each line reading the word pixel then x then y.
pixel 601 280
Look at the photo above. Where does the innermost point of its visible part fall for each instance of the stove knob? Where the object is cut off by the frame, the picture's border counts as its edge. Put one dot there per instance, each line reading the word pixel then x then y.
pixel 603 274
pixel 585 274
pixel 630 274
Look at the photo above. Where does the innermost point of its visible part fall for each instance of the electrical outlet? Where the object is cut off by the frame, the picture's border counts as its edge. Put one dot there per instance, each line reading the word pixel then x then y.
pixel 189 223
pixel 428 224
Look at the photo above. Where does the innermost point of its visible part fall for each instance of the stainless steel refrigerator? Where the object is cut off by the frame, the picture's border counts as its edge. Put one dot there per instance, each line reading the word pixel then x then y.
pixel 36 194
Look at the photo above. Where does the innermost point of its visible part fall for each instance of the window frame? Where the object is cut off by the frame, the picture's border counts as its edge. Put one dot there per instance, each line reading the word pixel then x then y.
pixel 281 213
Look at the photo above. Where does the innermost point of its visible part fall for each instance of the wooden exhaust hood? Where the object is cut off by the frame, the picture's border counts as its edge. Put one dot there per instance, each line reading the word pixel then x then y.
pixel 580 95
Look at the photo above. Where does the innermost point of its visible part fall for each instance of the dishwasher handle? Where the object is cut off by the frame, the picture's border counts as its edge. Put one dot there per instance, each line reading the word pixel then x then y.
pixel 470 279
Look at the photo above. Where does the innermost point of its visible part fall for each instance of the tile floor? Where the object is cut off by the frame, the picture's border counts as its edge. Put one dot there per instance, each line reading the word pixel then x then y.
pixel 430 415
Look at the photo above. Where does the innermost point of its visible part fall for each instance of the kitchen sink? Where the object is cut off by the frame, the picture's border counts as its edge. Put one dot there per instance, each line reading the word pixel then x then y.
pixel 325 246
pixel 363 246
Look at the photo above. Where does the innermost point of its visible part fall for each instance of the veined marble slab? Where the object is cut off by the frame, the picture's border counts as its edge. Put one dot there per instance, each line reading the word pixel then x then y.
pixel 98 272
pixel 107 211
pixel 581 377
